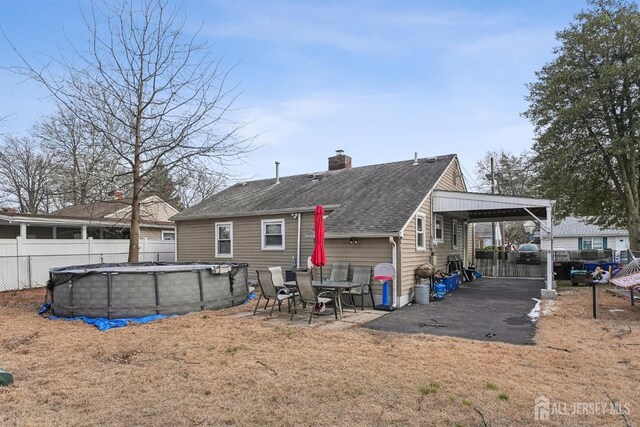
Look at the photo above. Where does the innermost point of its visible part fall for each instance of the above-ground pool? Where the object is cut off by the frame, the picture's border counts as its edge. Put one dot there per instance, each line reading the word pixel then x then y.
pixel 117 291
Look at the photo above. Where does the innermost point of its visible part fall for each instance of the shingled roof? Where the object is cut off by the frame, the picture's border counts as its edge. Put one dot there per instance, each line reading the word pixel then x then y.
pixel 578 227
pixel 366 200
pixel 96 210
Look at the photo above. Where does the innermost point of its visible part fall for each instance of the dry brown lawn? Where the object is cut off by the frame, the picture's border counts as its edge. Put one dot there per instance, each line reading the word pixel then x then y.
pixel 212 368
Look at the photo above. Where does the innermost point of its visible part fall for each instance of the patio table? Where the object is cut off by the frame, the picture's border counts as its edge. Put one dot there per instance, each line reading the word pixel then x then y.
pixel 337 288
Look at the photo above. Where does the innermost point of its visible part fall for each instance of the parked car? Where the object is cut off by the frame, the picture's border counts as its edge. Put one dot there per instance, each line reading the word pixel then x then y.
pixel 528 253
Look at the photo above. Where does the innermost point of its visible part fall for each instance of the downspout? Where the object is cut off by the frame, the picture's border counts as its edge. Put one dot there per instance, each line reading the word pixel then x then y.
pixel 298 251
pixel 394 261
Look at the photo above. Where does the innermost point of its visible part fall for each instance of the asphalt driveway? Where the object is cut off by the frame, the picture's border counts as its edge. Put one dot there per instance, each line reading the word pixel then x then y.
pixel 487 309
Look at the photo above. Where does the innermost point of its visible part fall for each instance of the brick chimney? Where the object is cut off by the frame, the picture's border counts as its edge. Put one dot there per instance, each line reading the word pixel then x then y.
pixel 339 161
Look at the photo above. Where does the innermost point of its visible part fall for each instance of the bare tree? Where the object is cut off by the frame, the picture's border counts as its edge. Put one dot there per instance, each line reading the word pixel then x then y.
pixel 85 169
pixel 149 89
pixel 198 182
pixel 25 174
pixel 513 174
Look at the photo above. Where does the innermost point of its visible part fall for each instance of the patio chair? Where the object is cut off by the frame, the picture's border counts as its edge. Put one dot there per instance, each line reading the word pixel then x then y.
pixel 269 292
pixel 339 272
pixel 276 277
pixel 278 280
pixel 361 275
pixel 309 296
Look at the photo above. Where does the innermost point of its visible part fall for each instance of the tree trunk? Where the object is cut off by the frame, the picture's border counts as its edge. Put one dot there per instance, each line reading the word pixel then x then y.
pixel 634 230
pixel 134 237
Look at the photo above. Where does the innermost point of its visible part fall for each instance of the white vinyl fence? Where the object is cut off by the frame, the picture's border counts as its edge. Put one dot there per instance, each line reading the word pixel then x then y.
pixel 25 263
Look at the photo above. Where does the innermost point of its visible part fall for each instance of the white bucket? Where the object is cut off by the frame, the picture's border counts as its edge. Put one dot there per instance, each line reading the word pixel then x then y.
pixel 422 294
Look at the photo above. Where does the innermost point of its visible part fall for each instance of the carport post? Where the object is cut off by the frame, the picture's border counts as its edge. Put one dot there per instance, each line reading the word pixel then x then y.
pixel 549 292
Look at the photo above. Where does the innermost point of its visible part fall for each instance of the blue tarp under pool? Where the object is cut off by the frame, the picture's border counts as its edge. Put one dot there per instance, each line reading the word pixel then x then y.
pixel 106 324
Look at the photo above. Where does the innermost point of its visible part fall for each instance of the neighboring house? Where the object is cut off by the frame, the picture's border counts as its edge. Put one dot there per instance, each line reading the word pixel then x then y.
pixel 575 234
pixel 100 220
pixel 374 214
pixel 483 235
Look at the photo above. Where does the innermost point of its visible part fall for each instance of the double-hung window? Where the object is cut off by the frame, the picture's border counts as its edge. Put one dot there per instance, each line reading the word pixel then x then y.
pixel 454 234
pixel 439 229
pixel 224 240
pixel 420 234
pixel 272 234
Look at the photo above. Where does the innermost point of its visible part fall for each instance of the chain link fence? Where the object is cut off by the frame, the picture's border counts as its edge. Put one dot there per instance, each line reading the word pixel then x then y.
pixel 534 264
pixel 32 271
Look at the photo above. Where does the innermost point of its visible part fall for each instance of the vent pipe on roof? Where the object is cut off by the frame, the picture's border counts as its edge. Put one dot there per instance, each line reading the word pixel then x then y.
pixel 277 172
pixel 415 158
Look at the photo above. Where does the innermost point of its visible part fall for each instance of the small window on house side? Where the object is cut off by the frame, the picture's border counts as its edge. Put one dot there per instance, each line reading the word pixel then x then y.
pixel 454 234
pixel 273 234
pixel 439 234
pixel 420 222
pixel 168 235
pixel 224 240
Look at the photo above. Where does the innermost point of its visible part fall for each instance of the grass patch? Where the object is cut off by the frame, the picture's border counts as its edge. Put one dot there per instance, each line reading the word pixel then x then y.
pixel 235 348
pixel 432 388
pixel 491 386
pixel 503 396
pixel 207 393
pixel 467 402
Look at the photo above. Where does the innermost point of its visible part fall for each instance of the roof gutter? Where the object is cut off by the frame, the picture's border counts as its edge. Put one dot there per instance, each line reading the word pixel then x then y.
pixel 75 222
pixel 177 218
pixel 361 235
pixel 6 218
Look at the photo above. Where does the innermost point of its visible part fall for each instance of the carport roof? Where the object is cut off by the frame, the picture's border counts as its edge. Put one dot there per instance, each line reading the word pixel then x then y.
pixel 481 207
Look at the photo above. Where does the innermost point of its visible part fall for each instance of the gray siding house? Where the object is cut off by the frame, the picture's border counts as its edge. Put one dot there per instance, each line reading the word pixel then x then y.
pixel 576 234
pixel 374 214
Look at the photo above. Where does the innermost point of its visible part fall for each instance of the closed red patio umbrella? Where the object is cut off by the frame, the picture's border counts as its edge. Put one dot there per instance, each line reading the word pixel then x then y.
pixel 319 256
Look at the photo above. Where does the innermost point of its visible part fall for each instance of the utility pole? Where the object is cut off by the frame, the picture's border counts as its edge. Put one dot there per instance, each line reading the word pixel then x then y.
pixel 493 226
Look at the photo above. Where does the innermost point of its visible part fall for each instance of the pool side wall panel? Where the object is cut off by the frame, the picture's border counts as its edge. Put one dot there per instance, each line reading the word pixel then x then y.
pixel 144 294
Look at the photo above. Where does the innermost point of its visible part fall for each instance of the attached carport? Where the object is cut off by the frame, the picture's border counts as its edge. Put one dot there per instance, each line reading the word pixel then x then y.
pixel 481 207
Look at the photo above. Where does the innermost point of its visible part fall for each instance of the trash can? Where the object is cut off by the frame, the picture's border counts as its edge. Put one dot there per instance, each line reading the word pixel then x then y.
pixel 561 270
pixel 575 265
pixel 590 266
pixel 422 294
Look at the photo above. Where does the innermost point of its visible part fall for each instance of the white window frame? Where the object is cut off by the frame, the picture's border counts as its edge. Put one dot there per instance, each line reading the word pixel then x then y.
pixel 224 224
pixel 263 230
pixel 455 235
pixel 592 241
pixel 165 232
pixel 421 217
pixel 438 220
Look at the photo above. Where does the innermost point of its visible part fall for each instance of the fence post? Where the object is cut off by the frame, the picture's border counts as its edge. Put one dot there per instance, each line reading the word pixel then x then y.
pixel 29 284
pixel 18 251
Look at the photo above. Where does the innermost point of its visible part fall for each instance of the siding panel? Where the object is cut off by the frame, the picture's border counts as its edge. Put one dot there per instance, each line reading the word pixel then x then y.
pixel 410 258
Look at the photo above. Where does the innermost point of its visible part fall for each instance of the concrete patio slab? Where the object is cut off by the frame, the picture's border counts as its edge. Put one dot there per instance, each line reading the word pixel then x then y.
pixel 328 321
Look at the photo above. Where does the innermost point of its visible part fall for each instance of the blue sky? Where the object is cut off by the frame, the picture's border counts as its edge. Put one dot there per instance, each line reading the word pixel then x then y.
pixel 377 79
